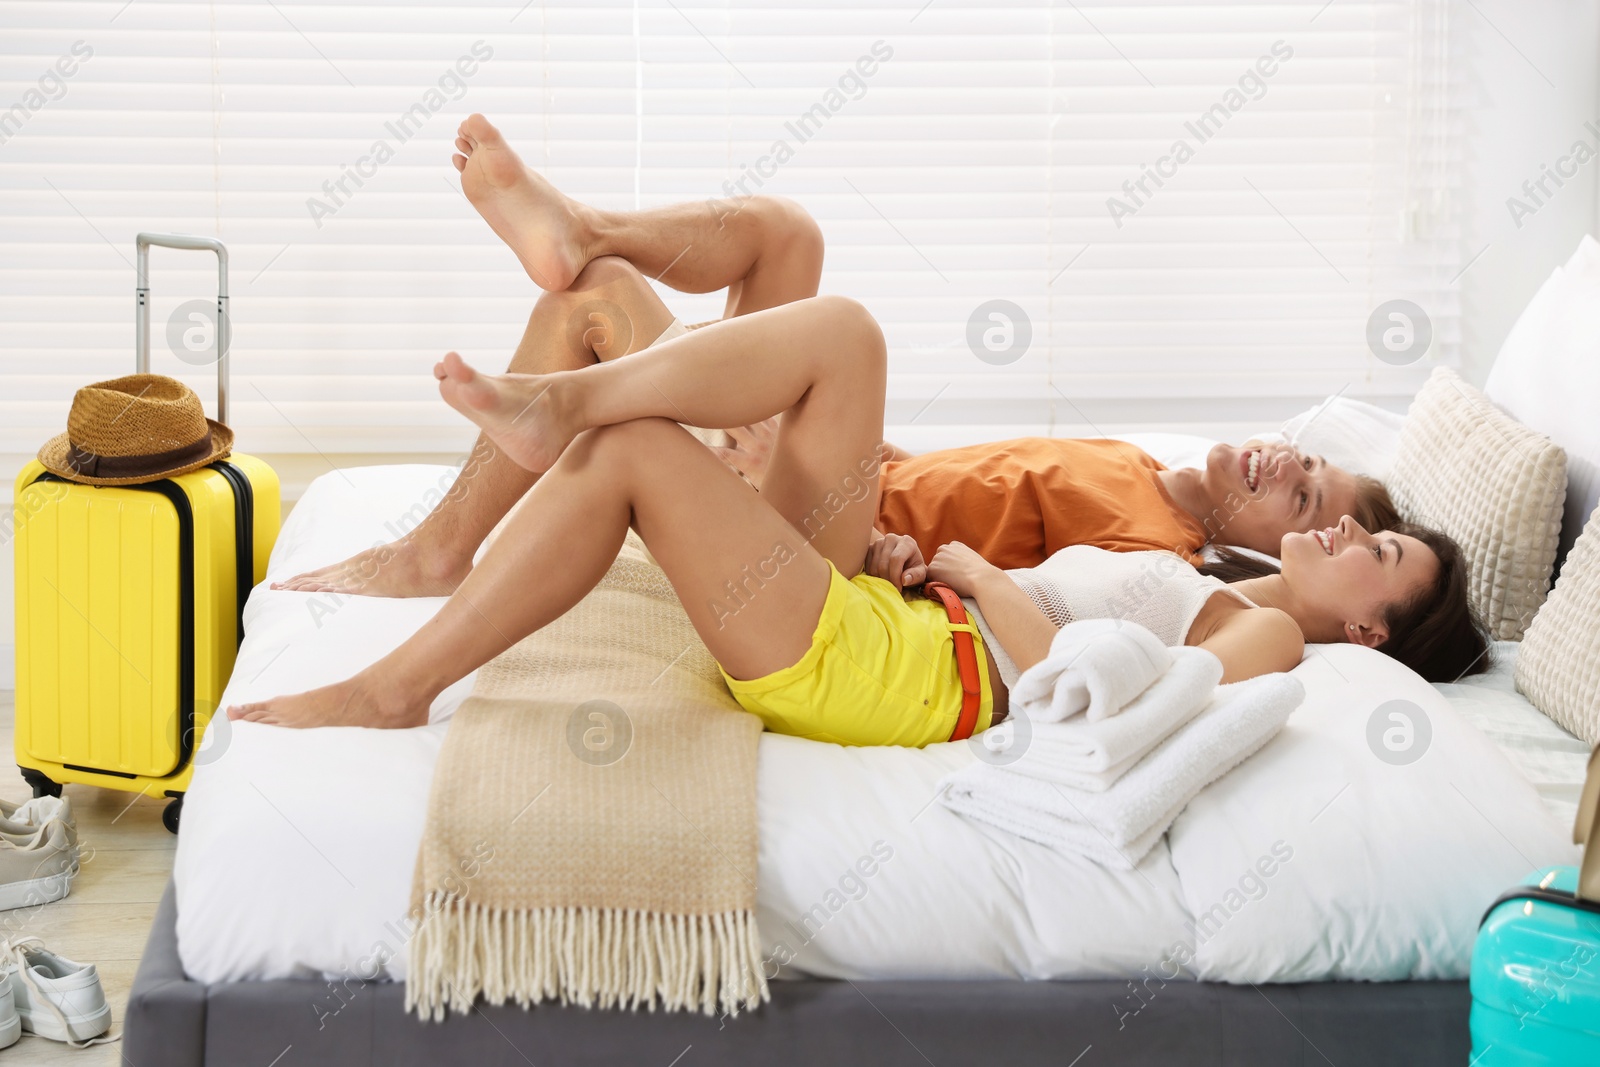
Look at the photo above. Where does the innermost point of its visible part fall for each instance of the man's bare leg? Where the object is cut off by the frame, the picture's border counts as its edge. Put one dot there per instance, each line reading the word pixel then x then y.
pixel 609 311
pixel 764 250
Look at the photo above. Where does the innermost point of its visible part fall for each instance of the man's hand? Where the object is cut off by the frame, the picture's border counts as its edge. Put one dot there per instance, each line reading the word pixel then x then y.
pixel 751 449
pixel 897 560
pixel 961 568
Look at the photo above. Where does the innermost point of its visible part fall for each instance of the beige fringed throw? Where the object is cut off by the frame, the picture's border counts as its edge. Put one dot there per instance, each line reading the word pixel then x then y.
pixel 591 832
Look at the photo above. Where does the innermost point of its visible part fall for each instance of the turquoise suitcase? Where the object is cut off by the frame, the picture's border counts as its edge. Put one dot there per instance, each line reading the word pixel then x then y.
pixel 1536 963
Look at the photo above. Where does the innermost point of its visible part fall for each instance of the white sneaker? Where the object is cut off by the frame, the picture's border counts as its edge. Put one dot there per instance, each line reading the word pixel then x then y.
pixel 38 868
pixel 10 1023
pixel 28 816
pixel 55 997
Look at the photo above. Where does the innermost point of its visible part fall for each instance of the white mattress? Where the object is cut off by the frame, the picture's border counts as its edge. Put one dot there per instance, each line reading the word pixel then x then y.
pixel 297 846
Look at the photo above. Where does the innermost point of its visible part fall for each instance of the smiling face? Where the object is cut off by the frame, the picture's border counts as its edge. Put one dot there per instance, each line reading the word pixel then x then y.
pixel 1265 491
pixel 1350 578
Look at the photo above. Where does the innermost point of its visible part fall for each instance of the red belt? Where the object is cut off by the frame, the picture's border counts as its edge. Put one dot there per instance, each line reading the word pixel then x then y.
pixel 966 659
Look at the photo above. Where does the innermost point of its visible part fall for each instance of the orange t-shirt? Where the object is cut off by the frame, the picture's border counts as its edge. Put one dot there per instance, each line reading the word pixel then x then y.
pixel 1018 502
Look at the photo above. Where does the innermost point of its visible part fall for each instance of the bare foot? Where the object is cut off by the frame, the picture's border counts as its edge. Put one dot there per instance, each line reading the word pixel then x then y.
pixel 540 224
pixel 353 702
pixel 531 417
pixel 399 569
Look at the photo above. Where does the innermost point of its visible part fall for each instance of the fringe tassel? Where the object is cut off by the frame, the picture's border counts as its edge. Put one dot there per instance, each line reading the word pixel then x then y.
pixel 595 957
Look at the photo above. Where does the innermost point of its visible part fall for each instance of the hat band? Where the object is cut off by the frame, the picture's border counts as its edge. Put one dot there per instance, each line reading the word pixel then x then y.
pixel 93 465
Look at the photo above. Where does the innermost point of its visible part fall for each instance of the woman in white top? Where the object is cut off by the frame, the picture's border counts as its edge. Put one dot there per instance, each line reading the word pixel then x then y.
pixel 1334 585
pixel 773 581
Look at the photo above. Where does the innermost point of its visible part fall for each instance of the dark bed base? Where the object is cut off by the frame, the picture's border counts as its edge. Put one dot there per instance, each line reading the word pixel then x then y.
pixel 176 1022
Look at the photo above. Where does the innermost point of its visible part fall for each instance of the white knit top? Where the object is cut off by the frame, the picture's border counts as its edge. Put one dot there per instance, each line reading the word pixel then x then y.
pixel 1158 590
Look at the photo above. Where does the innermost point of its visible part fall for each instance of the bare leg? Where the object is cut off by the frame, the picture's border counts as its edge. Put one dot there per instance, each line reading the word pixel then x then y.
pixel 651 474
pixel 730 373
pixel 764 250
pixel 609 311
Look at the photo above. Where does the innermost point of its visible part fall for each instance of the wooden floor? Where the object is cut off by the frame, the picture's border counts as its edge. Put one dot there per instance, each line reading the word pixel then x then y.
pixel 126 859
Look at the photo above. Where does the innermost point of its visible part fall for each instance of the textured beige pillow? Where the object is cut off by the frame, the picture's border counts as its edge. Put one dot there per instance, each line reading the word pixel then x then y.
pixel 1558 666
pixel 1471 471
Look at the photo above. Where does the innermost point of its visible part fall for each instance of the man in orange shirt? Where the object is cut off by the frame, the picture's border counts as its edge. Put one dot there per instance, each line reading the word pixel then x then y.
pixel 1015 502
pixel 1018 502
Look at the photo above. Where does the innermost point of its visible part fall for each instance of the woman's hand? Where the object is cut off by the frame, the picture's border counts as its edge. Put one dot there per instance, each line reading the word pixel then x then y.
pixel 751 449
pixel 897 560
pixel 961 568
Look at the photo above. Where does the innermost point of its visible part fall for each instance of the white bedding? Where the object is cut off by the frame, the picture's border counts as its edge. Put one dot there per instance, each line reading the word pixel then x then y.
pixel 297 847
pixel 1550 758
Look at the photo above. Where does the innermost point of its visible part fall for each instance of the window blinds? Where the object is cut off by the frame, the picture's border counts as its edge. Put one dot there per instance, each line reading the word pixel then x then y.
pixel 1069 217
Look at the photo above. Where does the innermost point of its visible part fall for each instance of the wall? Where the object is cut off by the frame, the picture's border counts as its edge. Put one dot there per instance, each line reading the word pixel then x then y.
pixel 1531 85
pixel 1529 75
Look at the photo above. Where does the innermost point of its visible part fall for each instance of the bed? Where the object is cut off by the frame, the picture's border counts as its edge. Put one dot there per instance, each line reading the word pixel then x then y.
pixel 1317 904
pixel 294 866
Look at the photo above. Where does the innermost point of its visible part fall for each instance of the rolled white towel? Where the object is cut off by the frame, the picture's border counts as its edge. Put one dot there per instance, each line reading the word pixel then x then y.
pixel 1118 827
pixel 1094 665
pixel 1091 755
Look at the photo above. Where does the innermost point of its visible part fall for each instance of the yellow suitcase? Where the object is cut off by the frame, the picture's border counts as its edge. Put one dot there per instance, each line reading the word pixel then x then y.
pixel 129 604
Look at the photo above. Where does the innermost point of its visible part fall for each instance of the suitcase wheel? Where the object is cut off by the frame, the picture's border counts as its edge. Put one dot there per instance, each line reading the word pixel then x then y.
pixel 171 813
pixel 42 786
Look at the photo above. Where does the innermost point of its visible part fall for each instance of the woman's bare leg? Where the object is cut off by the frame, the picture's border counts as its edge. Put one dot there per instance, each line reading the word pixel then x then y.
pixel 560 542
pixel 609 311
pixel 706 528
pixel 819 361
pixel 764 250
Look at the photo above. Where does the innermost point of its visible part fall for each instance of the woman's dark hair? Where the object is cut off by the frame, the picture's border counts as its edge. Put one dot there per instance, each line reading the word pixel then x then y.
pixel 1435 633
pixel 1235 566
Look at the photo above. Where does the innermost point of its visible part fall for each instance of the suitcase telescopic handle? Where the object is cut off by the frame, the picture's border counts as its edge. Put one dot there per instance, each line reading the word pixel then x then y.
pixel 1586 831
pixel 142 303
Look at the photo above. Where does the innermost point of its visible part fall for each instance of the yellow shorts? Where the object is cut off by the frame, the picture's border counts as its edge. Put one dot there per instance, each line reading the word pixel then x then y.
pixel 881 670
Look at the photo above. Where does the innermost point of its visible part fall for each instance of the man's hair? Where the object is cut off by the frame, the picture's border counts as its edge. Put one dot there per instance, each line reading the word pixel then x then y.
pixel 1374 510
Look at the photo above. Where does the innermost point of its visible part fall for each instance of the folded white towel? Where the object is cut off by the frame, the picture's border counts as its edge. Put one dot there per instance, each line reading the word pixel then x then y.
pixel 1118 827
pixel 1091 755
pixel 1094 665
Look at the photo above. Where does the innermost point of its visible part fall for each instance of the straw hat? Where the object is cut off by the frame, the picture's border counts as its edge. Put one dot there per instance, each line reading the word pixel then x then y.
pixel 136 429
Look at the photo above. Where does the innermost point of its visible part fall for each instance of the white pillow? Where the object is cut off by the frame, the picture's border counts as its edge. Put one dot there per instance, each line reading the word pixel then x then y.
pixel 1558 668
pixel 1469 470
pixel 1547 376
pixel 1378 869
pixel 1360 437
pixel 1172 450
